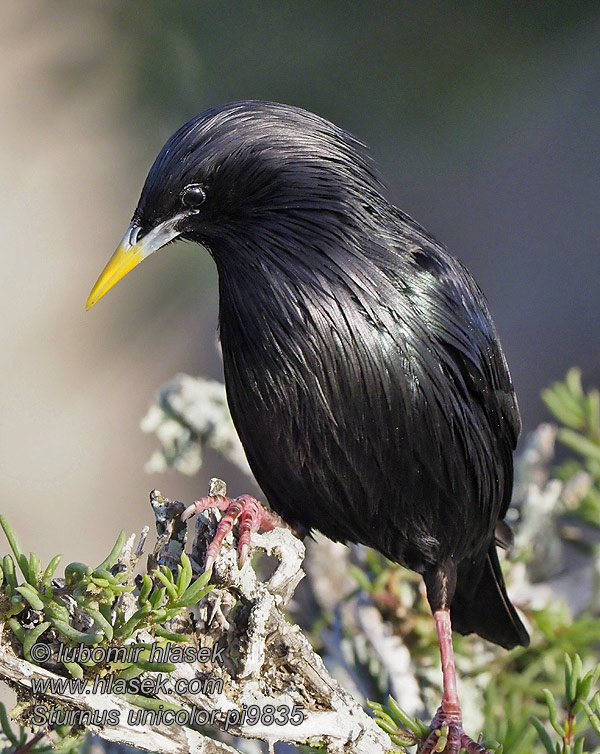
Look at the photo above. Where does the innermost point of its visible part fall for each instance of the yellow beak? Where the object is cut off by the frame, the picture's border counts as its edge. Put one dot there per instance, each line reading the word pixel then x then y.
pixel 129 254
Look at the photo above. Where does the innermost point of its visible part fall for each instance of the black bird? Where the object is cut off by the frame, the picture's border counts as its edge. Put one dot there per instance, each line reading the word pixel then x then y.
pixel 363 370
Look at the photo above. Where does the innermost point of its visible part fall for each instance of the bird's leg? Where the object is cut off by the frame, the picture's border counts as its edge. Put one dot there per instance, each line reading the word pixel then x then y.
pixel 447 734
pixel 246 509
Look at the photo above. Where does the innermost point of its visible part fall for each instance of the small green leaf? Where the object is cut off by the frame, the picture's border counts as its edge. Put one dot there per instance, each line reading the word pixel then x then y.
pixel 102 583
pixel 16 605
pixel 552 712
pixel 185 575
pixel 593 412
pixel 145 589
pixel 167 581
pixel 383 715
pixel 156 667
pixel 56 611
pixel 75 572
pixel 595 674
pixel 169 635
pixel 114 554
pixel 157 597
pixel 492 744
pixel 31 638
pixel 593 718
pixel 174 612
pixel 129 627
pixel 8 567
pixel 120 589
pixel 196 591
pixel 575 675
pixel 6 727
pixel 168 573
pixel 17 629
pixel 74 669
pixel 74 635
pixel 131 672
pixel 15 546
pixel 97 616
pixel 585 685
pixel 414 725
pixel 564 413
pixel 402 739
pixel 103 574
pixel 543 734
pixel 573 382
pixel 35 570
pixel 565 405
pixel 51 568
pixel 568 670
pixel 31 595
pixel 148 703
pixel 579 443
pixel 387 725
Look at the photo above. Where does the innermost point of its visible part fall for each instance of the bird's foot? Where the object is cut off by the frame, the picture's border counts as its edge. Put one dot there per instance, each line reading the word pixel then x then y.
pixel 245 509
pixel 447 734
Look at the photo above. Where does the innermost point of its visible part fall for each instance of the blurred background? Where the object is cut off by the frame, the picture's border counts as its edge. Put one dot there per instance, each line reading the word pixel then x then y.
pixel 483 118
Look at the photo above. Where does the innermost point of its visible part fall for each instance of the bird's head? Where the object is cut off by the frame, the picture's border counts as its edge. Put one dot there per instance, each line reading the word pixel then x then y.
pixel 244 173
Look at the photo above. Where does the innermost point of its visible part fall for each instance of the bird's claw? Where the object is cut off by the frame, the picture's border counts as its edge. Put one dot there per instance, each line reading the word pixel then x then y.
pixel 447 735
pixel 245 509
pixel 451 739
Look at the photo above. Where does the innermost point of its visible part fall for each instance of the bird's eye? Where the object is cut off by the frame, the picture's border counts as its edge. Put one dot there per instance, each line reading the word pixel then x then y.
pixel 193 195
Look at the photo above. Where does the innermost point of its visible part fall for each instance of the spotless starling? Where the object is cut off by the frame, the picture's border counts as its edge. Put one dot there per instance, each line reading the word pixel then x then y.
pixel 363 370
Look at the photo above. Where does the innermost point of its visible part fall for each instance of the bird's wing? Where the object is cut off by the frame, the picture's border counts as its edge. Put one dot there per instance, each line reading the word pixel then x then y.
pixel 417 312
pixel 455 314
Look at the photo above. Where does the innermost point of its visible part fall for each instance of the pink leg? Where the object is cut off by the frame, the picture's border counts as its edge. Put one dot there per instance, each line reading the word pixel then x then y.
pixel 447 732
pixel 444 632
pixel 252 517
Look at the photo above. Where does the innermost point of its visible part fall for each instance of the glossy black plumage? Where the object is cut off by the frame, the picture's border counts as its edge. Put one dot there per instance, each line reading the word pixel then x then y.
pixel 363 371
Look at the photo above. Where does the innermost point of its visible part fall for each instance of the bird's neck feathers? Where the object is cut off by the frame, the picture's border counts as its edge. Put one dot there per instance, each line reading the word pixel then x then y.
pixel 299 257
pixel 339 240
pixel 283 294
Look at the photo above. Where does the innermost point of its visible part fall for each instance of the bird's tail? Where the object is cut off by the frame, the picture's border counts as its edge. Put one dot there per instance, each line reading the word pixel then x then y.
pixel 487 610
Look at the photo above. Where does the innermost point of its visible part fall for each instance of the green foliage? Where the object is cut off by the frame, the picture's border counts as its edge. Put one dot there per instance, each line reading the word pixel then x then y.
pixel 99 619
pixel 576 715
pixel 571 718
pixel 579 414
pixel 14 739
pixel 402 728
pixel 39 608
